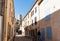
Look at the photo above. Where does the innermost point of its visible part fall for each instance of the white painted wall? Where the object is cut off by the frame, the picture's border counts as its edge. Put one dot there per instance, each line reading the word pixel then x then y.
pixel 48 7
pixel 1 19
pixel 35 15
pixel 26 19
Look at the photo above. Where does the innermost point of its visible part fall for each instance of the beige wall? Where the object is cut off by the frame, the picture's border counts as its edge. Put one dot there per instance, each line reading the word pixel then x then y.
pixel 54 22
pixel 9 20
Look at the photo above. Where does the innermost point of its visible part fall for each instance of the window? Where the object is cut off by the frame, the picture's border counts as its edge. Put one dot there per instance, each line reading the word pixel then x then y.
pixel 32 32
pixel 28 22
pixel 32 13
pixel 35 9
pixel 35 20
pixel 47 17
pixel 20 32
pixel 49 32
pixel 28 15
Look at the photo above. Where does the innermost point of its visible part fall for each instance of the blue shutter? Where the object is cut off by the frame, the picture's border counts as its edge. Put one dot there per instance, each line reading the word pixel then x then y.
pixel 49 32
pixel 43 34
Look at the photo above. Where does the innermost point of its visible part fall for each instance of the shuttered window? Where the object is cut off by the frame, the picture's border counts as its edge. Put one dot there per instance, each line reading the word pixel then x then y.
pixel 43 34
pixel 49 32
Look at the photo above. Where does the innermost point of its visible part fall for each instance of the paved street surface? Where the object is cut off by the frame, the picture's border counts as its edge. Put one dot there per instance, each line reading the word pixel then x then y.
pixel 24 38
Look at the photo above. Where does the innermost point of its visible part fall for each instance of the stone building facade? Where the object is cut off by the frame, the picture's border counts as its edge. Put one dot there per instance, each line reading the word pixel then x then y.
pixel 10 20
pixel 7 11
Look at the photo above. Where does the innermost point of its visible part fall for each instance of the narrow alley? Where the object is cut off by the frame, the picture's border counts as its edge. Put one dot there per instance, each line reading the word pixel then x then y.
pixel 29 20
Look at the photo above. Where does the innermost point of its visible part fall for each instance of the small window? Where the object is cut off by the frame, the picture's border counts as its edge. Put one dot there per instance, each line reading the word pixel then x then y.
pixel 28 15
pixel 47 18
pixel 49 32
pixel 32 22
pixel 35 9
pixel 28 22
pixel 35 20
pixel 32 13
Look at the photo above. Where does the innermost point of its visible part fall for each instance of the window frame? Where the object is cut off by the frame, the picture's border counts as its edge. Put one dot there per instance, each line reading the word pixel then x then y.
pixel 35 9
pixel 32 13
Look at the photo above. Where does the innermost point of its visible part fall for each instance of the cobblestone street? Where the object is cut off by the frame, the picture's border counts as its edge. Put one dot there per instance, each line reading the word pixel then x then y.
pixel 23 38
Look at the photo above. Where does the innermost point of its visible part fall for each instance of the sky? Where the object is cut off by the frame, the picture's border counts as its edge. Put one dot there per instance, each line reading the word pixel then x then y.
pixel 22 7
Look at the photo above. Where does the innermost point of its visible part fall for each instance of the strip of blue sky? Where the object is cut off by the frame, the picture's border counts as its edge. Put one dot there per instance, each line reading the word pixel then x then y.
pixel 22 6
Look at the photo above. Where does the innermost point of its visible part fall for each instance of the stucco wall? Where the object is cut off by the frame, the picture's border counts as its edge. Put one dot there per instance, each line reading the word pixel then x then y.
pixel 48 7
